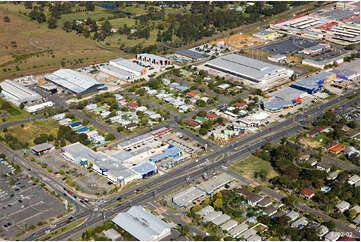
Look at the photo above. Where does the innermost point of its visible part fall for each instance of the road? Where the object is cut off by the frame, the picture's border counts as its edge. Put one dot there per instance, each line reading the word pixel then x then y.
pixel 177 177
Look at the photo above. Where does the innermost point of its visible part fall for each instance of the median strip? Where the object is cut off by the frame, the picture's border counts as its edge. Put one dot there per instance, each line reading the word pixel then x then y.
pixel 62 230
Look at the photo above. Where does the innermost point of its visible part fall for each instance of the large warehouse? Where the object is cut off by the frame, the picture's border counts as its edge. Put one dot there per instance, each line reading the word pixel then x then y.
pixel 17 94
pixel 251 69
pixel 74 81
pixel 128 66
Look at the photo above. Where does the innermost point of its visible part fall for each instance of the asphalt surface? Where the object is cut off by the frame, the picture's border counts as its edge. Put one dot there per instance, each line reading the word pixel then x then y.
pixel 180 180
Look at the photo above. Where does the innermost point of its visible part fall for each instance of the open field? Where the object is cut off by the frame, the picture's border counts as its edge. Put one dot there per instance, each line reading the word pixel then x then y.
pixel 240 41
pixel 248 166
pixel 32 41
pixel 12 113
pixel 32 130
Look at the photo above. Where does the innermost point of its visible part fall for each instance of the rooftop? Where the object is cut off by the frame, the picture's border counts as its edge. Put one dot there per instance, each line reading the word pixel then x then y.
pixel 127 63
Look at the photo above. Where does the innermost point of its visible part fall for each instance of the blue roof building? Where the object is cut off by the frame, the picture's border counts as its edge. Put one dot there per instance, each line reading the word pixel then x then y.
pixel 145 169
pixel 171 151
pixel 76 124
pixel 313 83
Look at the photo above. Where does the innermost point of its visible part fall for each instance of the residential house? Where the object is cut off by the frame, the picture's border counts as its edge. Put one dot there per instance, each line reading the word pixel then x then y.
pixel 192 94
pixel 269 211
pixel 333 175
pixel 265 202
pixel 293 215
pixel 193 124
pixel 342 206
pixel 332 236
pixel 300 223
pixel 323 166
pixel 353 179
pixel 307 193
pixel 211 116
pixel 322 230
pixel 254 199
pixel 336 149
pixel 317 131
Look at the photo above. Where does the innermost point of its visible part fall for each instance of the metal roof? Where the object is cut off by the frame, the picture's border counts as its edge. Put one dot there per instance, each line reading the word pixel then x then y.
pixel 135 140
pixel 142 224
pixel 185 198
pixel 276 103
pixel 73 80
pixel 344 72
pixel 152 56
pixel 338 14
pixel 221 219
pixel 230 224
pixel 238 229
pixel 116 71
pixel 288 93
pixel 41 147
pixel 145 168
pixel 128 64
pixel 215 182
pixel 191 54
pixel 312 82
pixel 18 92
pixel 246 67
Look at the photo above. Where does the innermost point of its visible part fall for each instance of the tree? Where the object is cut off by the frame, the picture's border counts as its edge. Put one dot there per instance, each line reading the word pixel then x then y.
pixel 218 203
pixel 110 137
pixel 330 225
pixel 352 213
pixel 203 131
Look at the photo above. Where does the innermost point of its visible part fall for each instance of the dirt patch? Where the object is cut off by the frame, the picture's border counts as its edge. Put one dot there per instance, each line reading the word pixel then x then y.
pixel 309 143
pixel 240 41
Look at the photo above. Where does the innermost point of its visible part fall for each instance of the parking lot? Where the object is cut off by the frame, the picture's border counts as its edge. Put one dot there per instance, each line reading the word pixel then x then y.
pixel 288 46
pixel 25 204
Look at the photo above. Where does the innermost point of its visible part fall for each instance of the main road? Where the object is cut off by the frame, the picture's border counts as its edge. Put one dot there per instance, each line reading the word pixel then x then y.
pixel 173 179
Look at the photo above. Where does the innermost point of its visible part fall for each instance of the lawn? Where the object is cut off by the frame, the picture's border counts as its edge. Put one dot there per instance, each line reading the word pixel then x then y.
pixel 32 130
pixel 251 164
pixel 12 114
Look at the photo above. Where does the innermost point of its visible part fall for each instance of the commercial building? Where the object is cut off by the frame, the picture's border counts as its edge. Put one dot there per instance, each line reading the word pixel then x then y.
pixel 74 81
pixel 248 68
pixel 316 49
pixel 154 59
pixel 322 63
pixel 18 94
pixel 136 141
pixel 266 34
pixel 142 224
pixel 170 152
pixel 215 183
pixel 277 58
pixel 185 198
pixel 314 83
pixel 346 74
pixel 42 148
pixel 105 165
pixel 128 66
pixel 283 98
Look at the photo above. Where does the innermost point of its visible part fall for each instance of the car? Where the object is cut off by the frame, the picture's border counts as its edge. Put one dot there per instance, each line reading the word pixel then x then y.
pixel 9 205
pixel 16 189
pixel 20 201
pixel 119 198
pixel 4 207
pixel 5 225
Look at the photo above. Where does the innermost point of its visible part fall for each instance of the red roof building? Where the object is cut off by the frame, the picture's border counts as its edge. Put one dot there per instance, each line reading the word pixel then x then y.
pixel 133 105
pixel 336 149
pixel 241 105
pixel 193 124
pixel 307 193
pixel 346 238
pixel 211 115
pixel 191 94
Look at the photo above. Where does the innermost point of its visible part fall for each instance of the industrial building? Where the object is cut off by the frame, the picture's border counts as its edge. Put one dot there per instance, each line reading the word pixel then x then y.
pixel 316 49
pixel 215 183
pixel 283 98
pixel 314 83
pixel 128 66
pixel 248 68
pixel 74 81
pixel 142 224
pixel 42 148
pixel 346 74
pixel 116 72
pixel 154 59
pixel 185 198
pixel 18 94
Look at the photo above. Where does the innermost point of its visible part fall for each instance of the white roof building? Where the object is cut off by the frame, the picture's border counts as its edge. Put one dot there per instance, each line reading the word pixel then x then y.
pixel 142 224
pixel 353 179
pixel 332 236
pixel 17 94
pixel 128 66
pixel 230 224
pixel 74 81
pixel 37 107
pixel 59 116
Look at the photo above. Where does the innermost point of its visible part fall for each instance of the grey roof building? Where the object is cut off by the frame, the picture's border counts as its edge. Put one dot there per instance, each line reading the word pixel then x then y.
pixel 191 54
pixel 17 94
pixel 185 198
pixel 313 83
pixel 251 69
pixel 300 223
pixel 221 219
pixel 74 81
pixel 238 230
pixel 142 224
pixel 230 224
pixel 116 72
pixel 215 183
pixel 206 210
pixel 212 216
pixel 154 59
pixel 128 66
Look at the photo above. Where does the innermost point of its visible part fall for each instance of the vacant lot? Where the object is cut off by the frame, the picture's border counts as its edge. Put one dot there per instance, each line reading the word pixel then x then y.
pixel 29 131
pixel 32 42
pixel 252 164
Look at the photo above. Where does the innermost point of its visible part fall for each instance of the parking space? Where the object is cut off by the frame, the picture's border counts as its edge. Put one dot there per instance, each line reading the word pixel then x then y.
pixel 289 45
pixel 26 204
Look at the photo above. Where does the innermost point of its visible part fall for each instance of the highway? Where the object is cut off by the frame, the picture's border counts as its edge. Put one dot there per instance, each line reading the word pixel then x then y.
pixel 173 179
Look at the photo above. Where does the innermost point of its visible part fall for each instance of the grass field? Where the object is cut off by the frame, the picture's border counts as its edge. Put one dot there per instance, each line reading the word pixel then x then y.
pixel 32 37
pixel 12 114
pixel 32 130
pixel 251 164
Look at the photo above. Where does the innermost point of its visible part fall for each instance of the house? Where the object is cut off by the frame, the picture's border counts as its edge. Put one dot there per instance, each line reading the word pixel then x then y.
pixel 211 116
pixel 322 230
pixel 269 211
pixel 342 206
pixel 353 179
pixel 192 94
pixel 333 175
pixel 332 236
pixel 300 223
pixel 325 189
pixel 349 151
pixel 307 193
pixel 323 166
pixel 254 199
pixel 133 105
pixel 240 105
pixel 201 119
pixel 293 215
pixel 315 132
pixel 265 202
pixel 193 124
pixel 336 149
pixel 42 148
